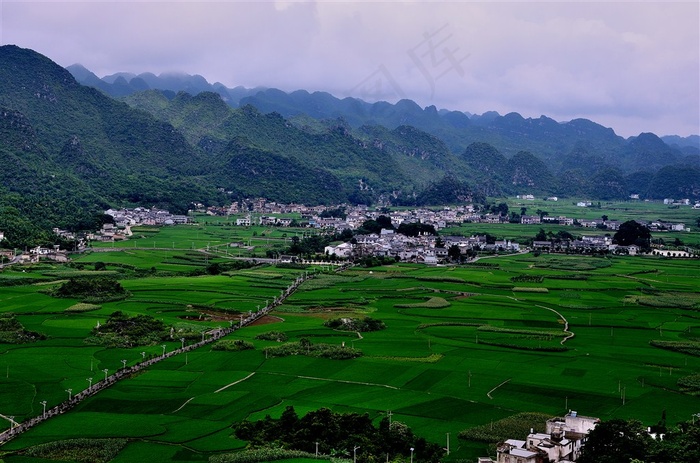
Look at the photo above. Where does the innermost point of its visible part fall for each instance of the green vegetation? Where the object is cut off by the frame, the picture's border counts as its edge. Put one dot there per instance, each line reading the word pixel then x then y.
pixel 121 330
pixel 431 303
pixel 79 450
pixel 337 432
pixel 361 325
pixel 83 307
pixel 519 424
pixel 91 290
pixel 278 336
pixel 233 345
pixel 12 331
pixel 621 440
pixel 486 354
pixel 690 384
pixel 306 347
pixel 686 347
pixel 262 455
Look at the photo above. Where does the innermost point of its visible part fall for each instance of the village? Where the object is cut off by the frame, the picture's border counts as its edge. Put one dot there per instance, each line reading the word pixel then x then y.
pixel 424 248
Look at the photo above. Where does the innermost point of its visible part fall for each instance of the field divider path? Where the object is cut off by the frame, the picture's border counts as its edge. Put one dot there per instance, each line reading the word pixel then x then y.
pixel 127 372
pixel 183 405
pixel 234 383
pixel 569 334
pixel 361 383
pixel 488 394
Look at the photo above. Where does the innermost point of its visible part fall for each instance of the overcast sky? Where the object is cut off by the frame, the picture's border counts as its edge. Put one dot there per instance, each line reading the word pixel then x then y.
pixel 632 66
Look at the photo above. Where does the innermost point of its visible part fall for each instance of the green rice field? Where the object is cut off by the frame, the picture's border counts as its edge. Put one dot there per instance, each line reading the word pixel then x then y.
pixel 463 346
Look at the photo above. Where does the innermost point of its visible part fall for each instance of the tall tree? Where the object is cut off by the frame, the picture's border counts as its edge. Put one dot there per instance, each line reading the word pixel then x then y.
pixel 617 441
pixel 632 232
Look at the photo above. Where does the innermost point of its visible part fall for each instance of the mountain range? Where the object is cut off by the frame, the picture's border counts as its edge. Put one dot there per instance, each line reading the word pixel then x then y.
pixel 74 144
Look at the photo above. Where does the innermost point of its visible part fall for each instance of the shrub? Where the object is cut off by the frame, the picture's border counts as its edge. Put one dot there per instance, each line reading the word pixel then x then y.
pixel 92 289
pixel 521 289
pixel 120 330
pixel 83 307
pixel 690 384
pixel 305 347
pixel 527 279
pixel 443 279
pixel 499 431
pixel 278 336
pixel 262 455
pixel 432 303
pixel 354 324
pixel 79 450
pixel 12 331
pixel 233 345
pixel 685 347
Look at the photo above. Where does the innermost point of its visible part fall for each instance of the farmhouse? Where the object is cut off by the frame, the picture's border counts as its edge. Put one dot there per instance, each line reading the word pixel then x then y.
pixel 530 219
pixel 514 451
pixel 671 253
pixel 243 221
pixel 343 250
pixel 561 443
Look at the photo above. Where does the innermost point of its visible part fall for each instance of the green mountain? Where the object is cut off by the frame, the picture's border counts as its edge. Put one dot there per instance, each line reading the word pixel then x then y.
pixel 68 150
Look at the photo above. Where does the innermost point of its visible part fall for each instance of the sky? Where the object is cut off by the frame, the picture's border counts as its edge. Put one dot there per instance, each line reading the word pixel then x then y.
pixel 632 66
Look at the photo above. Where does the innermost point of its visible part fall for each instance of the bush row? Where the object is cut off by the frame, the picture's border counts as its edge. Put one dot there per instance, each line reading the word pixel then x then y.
pixel 79 450
pixel 233 345
pixel 305 347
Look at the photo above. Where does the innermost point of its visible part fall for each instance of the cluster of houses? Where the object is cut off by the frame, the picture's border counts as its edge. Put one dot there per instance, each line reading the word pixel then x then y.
pixel 604 223
pixel 262 212
pixel 424 249
pixel 586 245
pixel 355 216
pixel 562 442
pixel 124 219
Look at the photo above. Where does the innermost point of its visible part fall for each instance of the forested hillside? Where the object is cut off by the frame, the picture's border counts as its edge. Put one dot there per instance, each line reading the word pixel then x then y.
pixel 70 151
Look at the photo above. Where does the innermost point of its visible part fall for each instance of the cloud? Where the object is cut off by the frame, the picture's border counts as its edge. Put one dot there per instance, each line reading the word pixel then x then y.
pixel 631 63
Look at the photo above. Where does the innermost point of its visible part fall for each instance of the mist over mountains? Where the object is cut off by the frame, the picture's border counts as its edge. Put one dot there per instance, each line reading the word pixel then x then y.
pixel 75 144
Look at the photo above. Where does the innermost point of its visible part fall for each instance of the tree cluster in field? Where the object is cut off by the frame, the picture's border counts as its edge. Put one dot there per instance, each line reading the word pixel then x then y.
pixel 278 336
pixel 83 307
pixel 685 347
pixel 444 279
pixel 527 279
pixel 337 434
pixel 232 345
pixel 12 331
pixel 264 455
pixel 431 303
pixel 306 347
pixel 92 290
pixel 121 330
pixel 362 325
pixel 218 268
pixel 632 232
pixel 523 347
pixel 79 450
pixel 618 441
pixel 690 384
pixel 377 261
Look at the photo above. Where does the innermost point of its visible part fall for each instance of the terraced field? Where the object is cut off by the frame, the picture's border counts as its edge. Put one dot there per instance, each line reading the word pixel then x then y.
pixel 463 346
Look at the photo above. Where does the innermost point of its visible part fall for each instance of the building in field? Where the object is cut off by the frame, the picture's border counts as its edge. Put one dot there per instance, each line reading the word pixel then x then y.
pixel 561 443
